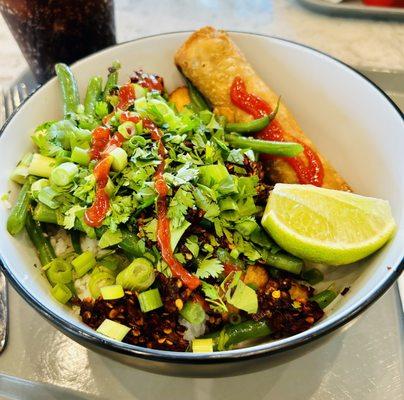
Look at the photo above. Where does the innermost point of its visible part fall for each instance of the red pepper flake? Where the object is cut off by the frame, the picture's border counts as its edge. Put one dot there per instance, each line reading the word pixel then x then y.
pixel 345 291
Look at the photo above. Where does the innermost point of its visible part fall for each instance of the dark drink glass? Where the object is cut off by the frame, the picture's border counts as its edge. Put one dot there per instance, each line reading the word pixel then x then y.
pixel 51 31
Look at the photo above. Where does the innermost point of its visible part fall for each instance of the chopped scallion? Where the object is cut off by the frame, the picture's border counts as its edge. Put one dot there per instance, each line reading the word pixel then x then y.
pixel 193 313
pixel 202 345
pixel 41 166
pixel 83 263
pixel 64 174
pixel 113 329
pixel 58 271
pixel 127 129
pixel 61 293
pixel 150 300
pixel 80 156
pixel 46 196
pixel 112 292
pixel 120 159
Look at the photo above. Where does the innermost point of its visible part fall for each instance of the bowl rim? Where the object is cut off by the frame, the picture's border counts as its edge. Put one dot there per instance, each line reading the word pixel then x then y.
pixel 247 353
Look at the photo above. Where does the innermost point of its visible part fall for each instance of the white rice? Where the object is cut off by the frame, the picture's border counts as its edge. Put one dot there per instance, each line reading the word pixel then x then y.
pixel 61 243
pixel 88 244
pixel 193 331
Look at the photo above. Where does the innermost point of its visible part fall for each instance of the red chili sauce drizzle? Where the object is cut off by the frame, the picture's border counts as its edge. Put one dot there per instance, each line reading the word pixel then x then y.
pixel 102 144
pixel 309 169
pixel 126 96
pixel 148 81
pixel 163 222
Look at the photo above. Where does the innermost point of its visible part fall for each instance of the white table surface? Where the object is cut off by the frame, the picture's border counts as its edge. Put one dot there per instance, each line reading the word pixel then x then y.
pixel 360 42
pixel 362 361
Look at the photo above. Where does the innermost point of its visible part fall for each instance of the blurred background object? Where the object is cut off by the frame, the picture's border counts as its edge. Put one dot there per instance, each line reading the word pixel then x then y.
pixel 51 31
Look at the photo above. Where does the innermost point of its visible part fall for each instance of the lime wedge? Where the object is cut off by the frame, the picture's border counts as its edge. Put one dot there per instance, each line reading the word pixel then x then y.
pixel 327 226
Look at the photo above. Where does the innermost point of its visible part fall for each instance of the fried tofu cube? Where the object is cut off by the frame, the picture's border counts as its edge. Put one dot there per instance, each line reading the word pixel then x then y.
pixel 256 276
pixel 180 97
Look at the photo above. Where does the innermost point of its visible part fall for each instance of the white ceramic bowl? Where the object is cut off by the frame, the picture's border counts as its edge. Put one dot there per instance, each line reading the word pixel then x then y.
pixel 350 120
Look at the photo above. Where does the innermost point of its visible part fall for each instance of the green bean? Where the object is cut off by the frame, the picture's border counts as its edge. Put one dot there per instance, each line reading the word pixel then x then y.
pixel 75 238
pixel 198 101
pixel 248 127
pixel 112 79
pixel 131 244
pixel 324 298
pixel 284 149
pixel 69 88
pixel 18 215
pixel 312 276
pixel 255 125
pixel 40 241
pixel 234 334
pixel 93 94
pixel 285 262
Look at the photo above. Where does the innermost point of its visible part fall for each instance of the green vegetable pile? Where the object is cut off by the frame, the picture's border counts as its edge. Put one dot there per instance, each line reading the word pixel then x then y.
pixel 214 202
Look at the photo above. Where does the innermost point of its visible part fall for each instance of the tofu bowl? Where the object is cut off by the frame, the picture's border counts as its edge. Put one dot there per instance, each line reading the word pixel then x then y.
pixel 351 121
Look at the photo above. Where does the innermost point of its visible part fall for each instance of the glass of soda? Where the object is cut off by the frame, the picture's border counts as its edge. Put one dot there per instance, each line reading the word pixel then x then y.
pixel 52 31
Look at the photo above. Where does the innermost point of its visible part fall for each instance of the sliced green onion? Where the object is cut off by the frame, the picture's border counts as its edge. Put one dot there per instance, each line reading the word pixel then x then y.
pixel 227 204
pixel 246 228
pixel 112 292
pixel 61 293
pixel 43 213
pixel 193 312
pixel 202 345
pixel 312 276
pixel 150 300
pixel 64 174
pixel 58 271
pixel 120 159
pixel 110 188
pixel 140 91
pixel 244 298
pixel 139 127
pixel 47 195
pixel 139 275
pixel 19 175
pixel 80 156
pixel 37 186
pixel 127 129
pixel 324 298
pixel 99 280
pixel 112 261
pixel 210 175
pixel 113 330
pixel 41 165
pixel 21 172
pixel 83 263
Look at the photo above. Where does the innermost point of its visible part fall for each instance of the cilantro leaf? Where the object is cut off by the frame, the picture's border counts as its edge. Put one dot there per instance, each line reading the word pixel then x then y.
pixel 213 297
pixel 182 200
pixel 209 267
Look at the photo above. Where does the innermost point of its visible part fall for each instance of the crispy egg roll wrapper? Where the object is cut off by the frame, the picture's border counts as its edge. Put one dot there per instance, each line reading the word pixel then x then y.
pixel 211 61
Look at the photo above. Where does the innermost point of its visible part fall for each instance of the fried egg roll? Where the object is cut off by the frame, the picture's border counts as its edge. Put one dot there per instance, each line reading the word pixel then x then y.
pixel 212 61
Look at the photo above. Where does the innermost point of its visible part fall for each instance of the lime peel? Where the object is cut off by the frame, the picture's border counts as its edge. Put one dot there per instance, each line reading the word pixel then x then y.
pixel 327 226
